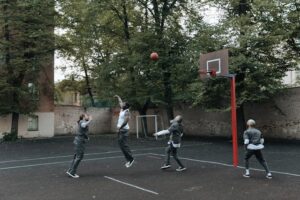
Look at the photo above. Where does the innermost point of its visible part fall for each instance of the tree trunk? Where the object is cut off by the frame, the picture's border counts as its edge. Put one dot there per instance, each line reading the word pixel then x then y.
pixel 168 96
pixel 241 121
pixel 14 123
pixel 143 111
pixel 88 84
pixel 144 125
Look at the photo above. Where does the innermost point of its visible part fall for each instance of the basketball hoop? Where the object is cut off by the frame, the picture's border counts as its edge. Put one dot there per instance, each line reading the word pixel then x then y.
pixel 207 74
pixel 213 73
pixel 215 64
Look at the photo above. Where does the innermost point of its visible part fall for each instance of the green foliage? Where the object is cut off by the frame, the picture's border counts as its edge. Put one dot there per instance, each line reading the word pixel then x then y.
pixel 26 44
pixel 112 41
pixel 260 37
pixel 10 136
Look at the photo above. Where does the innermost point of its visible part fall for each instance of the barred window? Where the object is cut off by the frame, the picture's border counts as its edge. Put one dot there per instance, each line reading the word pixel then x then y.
pixel 33 123
pixel 33 91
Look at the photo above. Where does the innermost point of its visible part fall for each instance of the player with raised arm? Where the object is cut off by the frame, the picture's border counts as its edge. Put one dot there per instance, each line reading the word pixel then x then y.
pixel 123 131
pixel 176 132
pixel 254 141
pixel 79 142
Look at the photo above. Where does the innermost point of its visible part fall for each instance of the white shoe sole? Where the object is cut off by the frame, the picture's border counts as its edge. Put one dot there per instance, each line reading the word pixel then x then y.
pixel 180 170
pixel 71 175
pixel 166 167
pixel 129 164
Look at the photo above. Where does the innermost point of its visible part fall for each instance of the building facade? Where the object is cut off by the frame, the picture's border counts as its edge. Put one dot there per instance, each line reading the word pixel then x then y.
pixel 36 55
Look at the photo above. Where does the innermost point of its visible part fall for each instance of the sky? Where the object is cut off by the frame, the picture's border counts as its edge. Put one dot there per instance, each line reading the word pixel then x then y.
pixel 211 15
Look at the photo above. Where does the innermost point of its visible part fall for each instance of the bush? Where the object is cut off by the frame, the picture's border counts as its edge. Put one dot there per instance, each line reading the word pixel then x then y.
pixel 10 136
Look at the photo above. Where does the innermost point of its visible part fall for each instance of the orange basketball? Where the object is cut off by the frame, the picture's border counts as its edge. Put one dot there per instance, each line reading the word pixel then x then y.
pixel 154 56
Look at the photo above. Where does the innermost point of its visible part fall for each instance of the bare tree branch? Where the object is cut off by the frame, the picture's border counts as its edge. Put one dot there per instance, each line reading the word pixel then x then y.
pixel 146 6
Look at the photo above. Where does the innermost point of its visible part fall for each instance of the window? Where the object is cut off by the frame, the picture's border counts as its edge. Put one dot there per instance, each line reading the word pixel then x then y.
pixel 75 95
pixel 33 91
pixel 33 123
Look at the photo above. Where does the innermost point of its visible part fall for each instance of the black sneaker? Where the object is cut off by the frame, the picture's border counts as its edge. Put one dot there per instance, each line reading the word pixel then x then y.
pixel 165 166
pixel 179 169
pixel 246 175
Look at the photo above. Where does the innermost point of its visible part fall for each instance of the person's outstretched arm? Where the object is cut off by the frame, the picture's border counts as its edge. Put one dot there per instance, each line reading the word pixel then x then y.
pixel 119 99
pixel 163 132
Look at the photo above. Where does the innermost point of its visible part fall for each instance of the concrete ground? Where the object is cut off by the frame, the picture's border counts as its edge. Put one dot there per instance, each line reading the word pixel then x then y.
pixel 35 170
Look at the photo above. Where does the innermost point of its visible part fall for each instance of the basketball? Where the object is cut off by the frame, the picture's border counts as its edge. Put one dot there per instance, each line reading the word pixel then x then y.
pixel 154 56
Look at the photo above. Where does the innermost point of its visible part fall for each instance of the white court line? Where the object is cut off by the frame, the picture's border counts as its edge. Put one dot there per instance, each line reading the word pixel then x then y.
pixel 155 157
pixel 128 184
pixel 88 154
pixel 229 165
pixel 54 163
pixel 52 157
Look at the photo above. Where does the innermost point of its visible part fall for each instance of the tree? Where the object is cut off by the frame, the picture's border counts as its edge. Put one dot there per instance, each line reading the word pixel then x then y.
pixel 261 37
pixel 26 43
pixel 76 20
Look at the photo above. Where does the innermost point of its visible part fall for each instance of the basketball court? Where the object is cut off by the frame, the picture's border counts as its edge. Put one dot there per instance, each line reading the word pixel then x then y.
pixel 35 169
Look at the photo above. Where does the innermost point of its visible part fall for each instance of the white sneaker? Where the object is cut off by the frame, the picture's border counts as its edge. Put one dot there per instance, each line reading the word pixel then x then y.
pixel 269 176
pixel 72 175
pixel 246 175
pixel 165 166
pixel 129 163
pixel 179 169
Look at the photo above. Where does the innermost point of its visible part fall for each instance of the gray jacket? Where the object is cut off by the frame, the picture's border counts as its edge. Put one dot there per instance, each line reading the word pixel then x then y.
pixel 253 135
pixel 82 132
pixel 176 131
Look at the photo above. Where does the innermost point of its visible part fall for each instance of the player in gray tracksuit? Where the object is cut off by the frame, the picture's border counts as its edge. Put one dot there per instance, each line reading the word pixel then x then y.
pixel 253 141
pixel 79 142
pixel 176 132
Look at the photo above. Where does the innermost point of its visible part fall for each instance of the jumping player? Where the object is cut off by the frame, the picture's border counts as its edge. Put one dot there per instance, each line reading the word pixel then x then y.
pixel 253 141
pixel 123 131
pixel 79 142
pixel 176 132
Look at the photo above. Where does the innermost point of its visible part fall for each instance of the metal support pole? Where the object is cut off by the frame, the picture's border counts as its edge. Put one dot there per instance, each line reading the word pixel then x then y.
pixel 234 122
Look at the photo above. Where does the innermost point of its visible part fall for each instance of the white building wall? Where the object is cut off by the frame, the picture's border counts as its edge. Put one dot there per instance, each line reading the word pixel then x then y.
pixel 5 125
pixel 45 125
pixel 291 78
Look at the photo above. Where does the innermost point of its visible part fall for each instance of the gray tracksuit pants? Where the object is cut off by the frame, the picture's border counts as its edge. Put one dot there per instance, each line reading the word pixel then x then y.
pixel 259 157
pixel 172 150
pixel 78 156
pixel 122 140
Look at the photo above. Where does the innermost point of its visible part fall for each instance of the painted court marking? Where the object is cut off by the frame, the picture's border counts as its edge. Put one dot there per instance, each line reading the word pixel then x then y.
pixel 229 165
pixel 89 154
pixel 131 185
pixel 53 157
pixel 69 161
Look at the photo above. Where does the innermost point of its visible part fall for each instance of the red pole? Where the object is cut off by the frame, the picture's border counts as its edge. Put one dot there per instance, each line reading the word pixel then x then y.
pixel 234 123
